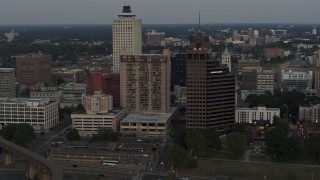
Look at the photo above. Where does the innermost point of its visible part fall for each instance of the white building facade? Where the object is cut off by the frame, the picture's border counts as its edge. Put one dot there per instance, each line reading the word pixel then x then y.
pixel 251 115
pixel 299 80
pixel 309 113
pixel 226 59
pixel 126 34
pixel 41 114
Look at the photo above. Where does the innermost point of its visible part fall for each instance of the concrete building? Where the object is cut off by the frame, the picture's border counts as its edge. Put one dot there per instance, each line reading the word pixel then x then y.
pixel 299 80
pixel 33 69
pixel 69 75
pixel 226 59
pixel 181 95
pixel 89 124
pixel 210 88
pixel 11 35
pixel 53 93
pixel 41 114
pixel 145 82
pixel 265 81
pixel 252 115
pixel 317 73
pixel 314 31
pixel 72 94
pixel 126 34
pixel 310 113
pixel 98 103
pixel 7 82
pixel 244 63
pixel 178 69
pixel 148 125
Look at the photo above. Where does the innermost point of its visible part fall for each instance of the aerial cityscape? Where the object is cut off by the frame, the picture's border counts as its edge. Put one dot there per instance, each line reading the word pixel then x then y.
pixel 164 100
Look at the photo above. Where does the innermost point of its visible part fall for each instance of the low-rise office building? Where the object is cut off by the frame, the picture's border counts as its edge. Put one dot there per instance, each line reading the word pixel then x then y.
pixel 53 93
pixel 147 125
pixel 72 94
pixel 309 113
pixel 252 115
pixel 41 114
pixel 89 124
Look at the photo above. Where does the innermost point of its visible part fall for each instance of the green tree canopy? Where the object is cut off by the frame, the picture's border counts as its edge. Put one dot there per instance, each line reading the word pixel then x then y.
pixel 105 134
pixel 21 134
pixel 73 135
pixel 236 144
pixel 179 156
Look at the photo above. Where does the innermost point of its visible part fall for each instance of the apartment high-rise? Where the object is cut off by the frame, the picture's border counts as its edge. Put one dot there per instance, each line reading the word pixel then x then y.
pixel 33 69
pixel 317 73
pixel 210 88
pixel 226 59
pixel 7 82
pixel 145 82
pixel 126 34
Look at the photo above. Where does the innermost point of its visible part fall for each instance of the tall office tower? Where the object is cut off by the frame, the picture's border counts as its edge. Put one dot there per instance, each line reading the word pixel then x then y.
pixel 250 32
pixel 145 82
pixel 226 59
pixel 7 82
pixel 314 31
pixel 178 70
pixel 33 69
pixel 317 73
pixel 265 81
pixel 210 88
pixel 126 34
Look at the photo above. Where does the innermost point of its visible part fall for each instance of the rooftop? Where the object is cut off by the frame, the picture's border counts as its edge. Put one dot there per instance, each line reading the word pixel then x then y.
pixel 149 118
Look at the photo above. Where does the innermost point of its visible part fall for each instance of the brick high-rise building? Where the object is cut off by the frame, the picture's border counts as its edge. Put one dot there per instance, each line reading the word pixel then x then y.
pixel 112 87
pixel 33 69
pixel 145 82
pixel 249 78
pixel 126 34
pixel 210 88
pixel 7 82
pixel 273 53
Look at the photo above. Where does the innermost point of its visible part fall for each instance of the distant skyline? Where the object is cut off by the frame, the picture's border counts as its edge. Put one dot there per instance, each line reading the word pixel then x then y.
pixel 160 11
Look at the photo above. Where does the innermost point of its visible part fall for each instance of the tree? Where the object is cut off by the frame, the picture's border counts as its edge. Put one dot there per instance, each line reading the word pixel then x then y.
pixel 213 140
pixel 197 142
pixel 173 98
pixel 243 129
pixel 179 156
pixel 25 92
pixel 80 108
pixel 73 135
pixel 21 134
pixel 105 134
pixel 236 144
pixel 312 145
pixel 60 81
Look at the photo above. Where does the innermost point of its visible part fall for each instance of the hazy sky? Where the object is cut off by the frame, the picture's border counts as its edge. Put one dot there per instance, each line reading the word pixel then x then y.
pixel 159 11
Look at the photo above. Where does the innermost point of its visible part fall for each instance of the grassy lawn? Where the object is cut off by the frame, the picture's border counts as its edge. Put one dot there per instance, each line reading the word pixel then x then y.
pixel 253 171
pixel 223 155
pixel 258 157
